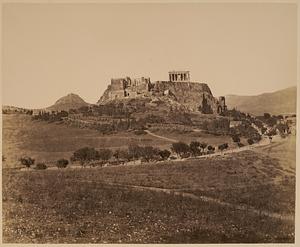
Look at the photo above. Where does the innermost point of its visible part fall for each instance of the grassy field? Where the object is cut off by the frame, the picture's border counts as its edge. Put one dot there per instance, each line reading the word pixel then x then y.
pixel 53 207
pixel 98 205
pixel 49 142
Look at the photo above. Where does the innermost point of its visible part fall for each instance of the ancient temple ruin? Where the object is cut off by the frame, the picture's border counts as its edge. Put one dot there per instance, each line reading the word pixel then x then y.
pixel 182 76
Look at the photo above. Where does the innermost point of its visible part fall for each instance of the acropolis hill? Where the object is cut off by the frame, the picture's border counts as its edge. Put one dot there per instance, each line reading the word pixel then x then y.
pixel 194 96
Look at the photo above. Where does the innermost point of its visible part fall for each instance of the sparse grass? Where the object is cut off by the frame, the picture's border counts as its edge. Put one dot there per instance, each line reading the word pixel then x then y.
pixel 248 178
pixel 53 207
pixel 79 206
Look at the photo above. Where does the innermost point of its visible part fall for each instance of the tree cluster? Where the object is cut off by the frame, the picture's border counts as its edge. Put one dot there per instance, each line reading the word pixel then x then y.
pixel 216 126
pixel 236 115
pixel 90 156
pixel 87 155
pixel 271 121
pixel 194 149
pixel 53 116
pixel 112 110
pixel 119 125
pixel 18 110
pixel 245 130
pixel 179 117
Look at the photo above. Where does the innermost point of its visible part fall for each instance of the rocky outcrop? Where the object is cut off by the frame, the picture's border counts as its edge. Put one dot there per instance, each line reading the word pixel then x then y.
pixel 193 96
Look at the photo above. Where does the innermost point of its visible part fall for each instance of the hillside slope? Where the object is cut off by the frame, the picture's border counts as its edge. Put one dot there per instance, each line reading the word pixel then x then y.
pixel 279 102
pixel 70 101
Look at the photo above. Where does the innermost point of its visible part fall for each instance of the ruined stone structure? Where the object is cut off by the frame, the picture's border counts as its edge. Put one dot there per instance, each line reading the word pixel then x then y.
pixel 193 96
pixel 221 105
pixel 179 76
pixel 127 87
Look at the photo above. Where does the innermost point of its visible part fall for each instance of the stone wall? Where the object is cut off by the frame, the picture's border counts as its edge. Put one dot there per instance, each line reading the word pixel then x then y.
pixel 126 88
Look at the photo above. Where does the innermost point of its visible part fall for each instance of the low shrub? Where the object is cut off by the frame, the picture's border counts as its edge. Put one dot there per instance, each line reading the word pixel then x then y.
pixel 27 161
pixel 62 163
pixel 164 154
pixel 211 149
pixel 223 146
pixel 240 144
pixel 250 141
pixel 185 155
pixel 40 166
pixel 140 132
pixel 181 149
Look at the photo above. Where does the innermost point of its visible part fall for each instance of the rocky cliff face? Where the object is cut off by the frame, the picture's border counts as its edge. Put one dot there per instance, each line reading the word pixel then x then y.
pixel 105 96
pixel 190 94
pixel 193 96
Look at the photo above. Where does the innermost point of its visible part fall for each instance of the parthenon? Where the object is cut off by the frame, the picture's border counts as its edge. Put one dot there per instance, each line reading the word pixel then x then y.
pixel 181 76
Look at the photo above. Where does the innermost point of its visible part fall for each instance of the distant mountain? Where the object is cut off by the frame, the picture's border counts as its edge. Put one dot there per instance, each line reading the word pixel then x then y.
pixel 71 101
pixel 279 102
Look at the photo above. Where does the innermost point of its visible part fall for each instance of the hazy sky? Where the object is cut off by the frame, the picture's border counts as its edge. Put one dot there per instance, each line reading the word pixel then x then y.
pixel 50 50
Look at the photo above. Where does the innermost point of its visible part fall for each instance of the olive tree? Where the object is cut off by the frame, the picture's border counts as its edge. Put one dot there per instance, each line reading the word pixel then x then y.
pixel 27 161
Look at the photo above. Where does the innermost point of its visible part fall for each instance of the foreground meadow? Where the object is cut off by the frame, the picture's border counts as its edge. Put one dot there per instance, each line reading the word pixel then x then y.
pixel 113 204
pixel 243 197
pixel 48 142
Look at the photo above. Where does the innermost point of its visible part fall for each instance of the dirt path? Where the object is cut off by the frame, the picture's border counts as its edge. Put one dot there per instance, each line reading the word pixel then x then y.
pixel 161 137
pixel 263 142
pixel 242 207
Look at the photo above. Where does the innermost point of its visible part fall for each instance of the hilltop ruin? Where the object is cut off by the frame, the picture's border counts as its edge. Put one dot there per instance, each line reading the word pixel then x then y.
pixel 194 96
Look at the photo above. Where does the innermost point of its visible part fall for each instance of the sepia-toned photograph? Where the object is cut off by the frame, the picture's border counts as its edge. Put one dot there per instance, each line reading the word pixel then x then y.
pixel 148 123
